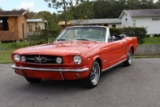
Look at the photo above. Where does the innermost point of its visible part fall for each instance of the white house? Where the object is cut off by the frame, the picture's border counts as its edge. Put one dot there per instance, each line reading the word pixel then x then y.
pixel 114 22
pixel 35 25
pixel 147 18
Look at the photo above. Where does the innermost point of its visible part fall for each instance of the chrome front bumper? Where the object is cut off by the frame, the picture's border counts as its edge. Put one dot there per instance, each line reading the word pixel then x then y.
pixel 50 69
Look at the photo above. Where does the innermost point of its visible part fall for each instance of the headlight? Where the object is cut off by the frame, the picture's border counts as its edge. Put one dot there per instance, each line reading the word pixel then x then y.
pixel 77 60
pixel 23 59
pixel 59 60
pixel 16 57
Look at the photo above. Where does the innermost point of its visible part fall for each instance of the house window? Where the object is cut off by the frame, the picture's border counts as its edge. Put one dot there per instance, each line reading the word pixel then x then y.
pixel 37 27
pixel 30 28
pixel 105 24
pixel 126 19
pixel 155 18
pixel 114 26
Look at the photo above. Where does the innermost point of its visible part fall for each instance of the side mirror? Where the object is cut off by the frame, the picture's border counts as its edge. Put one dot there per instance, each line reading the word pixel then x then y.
pixel 122 36
pixel 113 38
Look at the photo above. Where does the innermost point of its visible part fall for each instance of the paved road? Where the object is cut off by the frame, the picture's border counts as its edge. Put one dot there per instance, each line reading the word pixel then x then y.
pixel 134 86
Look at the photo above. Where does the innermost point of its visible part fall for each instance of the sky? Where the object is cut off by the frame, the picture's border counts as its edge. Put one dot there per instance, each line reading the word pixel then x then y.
pixel 32 5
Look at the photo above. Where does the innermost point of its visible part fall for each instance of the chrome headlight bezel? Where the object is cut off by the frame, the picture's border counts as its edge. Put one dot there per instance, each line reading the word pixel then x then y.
pixel 23 58
pixel 77 59
pixel 59 60
pixel 16 57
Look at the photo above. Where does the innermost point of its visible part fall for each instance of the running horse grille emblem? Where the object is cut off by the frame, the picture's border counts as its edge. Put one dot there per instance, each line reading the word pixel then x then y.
pixel 40 59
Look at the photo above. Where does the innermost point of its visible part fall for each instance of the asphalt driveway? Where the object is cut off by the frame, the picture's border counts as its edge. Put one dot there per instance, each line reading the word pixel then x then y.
pixel 134 86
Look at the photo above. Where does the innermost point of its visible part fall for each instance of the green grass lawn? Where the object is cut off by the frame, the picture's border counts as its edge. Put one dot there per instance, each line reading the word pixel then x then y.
pixel 5 56
pixel 152 40
pixel 6 50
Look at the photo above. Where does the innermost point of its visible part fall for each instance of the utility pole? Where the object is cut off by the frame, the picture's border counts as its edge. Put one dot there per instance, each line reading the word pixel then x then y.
pixel 65 13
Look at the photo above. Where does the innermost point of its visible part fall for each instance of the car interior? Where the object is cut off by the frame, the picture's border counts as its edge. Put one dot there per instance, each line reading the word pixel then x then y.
pixel 117 37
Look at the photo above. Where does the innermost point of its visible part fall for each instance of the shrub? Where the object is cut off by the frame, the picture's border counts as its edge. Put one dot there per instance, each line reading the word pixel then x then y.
pixel 139 32
pixel 156 35
pixel 147 36
pixel 42 37
pixel 116 31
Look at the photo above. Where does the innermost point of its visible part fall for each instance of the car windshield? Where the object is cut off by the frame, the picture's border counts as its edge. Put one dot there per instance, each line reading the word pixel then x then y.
pixel 83 33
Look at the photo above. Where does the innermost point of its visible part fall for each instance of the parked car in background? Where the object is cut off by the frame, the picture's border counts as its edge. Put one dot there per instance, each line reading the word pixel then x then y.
pixel 80 52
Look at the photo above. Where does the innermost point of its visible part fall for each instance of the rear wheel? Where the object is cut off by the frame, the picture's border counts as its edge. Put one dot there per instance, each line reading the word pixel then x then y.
pixel 128 62
pixel 33 80
pixel 92 80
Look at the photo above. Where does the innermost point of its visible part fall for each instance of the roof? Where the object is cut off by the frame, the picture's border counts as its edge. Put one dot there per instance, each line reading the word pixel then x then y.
pixel 12 13
pixel 36 20
pixel 87 26
pixel 142 12
pixel 93 21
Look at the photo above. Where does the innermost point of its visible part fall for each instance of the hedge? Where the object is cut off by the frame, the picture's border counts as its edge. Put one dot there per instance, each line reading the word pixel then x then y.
pixel 139 32
pixel 156 35
pixel 42 37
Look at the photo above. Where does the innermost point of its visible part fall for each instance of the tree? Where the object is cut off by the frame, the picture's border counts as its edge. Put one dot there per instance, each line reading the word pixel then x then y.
pixel 65 5
pixel 109 8
pixel 32 15
pixel 113 8
pixel 50 18
pixel 82 11
pixel 57 4
pixel 147 4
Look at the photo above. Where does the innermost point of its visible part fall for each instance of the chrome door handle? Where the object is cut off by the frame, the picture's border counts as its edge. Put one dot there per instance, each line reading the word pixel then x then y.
pixel 123 42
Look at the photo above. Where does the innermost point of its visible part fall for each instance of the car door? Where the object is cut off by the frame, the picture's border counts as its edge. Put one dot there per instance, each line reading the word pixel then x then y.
pixel 122 49
pixel 117 51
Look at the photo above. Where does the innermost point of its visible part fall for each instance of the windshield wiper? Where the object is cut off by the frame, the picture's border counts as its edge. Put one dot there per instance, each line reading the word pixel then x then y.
pixel 61 39
pixel 83 39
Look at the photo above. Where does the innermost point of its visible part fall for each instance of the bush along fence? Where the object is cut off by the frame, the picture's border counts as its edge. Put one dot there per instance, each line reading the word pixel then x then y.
pixel 156 35
pixel 139 32
pixel 43 37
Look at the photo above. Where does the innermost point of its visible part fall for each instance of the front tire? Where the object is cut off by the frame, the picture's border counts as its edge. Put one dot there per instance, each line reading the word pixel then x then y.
pixel 128 62
pixel 33 80
pixel 92 80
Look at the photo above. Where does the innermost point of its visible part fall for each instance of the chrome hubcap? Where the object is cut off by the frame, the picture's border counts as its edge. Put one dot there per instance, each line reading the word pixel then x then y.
pixel 95 73
pixel 130 57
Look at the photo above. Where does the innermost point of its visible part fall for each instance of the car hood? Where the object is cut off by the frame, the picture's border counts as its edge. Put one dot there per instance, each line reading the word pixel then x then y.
pixel 62 48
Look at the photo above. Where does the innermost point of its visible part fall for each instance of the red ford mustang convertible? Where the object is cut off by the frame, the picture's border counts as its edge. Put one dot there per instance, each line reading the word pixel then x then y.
pixel 80 52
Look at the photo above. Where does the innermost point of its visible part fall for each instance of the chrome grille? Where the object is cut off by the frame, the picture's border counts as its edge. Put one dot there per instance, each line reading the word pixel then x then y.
pixel 41 59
